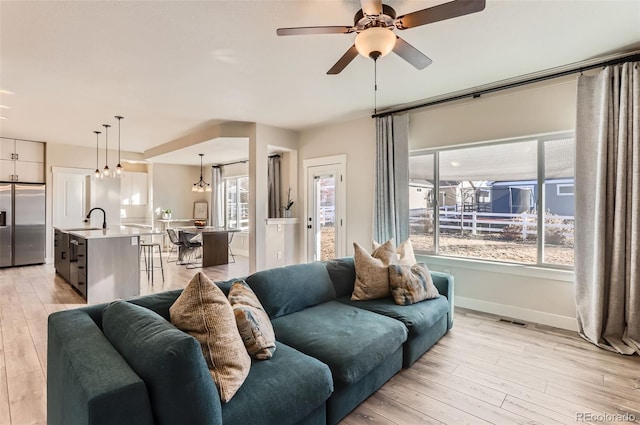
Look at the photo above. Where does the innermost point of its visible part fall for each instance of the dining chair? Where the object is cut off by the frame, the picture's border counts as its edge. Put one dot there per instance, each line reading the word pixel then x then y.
pixel 190 249
pixel 175 246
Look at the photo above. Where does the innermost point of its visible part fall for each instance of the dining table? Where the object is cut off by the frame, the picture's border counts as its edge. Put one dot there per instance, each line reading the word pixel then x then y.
pixel 215 243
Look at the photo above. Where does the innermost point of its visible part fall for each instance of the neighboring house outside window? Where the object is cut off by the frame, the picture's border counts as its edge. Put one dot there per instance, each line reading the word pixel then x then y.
pixel 490 200
pixel 236 195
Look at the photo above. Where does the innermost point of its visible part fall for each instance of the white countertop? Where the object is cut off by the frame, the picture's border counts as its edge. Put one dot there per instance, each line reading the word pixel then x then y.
pixel 111 232
pixel 289 220
pixel 206 229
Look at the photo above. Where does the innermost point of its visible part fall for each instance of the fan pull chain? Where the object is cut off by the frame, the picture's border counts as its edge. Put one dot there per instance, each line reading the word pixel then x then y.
pixel 375 86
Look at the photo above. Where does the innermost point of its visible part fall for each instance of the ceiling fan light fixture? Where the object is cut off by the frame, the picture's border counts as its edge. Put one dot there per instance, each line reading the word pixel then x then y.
pixel 375 42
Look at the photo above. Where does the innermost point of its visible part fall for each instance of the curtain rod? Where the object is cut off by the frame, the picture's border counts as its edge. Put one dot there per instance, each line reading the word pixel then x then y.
pixel 242 162
pixel 477 93
pixel 230 163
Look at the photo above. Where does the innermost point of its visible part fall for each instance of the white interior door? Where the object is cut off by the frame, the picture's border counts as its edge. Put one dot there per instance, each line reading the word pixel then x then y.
pixel 325 218
pixel 70 198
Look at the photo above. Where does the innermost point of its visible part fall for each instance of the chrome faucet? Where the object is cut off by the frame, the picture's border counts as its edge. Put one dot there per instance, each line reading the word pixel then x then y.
pixel 104 217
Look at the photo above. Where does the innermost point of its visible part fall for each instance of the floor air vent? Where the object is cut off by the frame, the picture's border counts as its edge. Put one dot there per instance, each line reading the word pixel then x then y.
pixel 512 322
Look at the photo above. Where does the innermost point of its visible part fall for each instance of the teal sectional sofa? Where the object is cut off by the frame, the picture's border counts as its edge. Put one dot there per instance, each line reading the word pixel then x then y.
pixel 125 363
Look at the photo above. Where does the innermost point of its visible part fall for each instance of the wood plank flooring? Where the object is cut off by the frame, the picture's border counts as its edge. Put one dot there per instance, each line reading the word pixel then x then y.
pixel 482 372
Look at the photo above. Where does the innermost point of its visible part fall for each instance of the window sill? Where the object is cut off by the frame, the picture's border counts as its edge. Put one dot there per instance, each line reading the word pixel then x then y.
pixel 497 267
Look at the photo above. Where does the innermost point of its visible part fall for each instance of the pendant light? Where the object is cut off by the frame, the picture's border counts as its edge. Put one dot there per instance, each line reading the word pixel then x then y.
pixel 105 171
pixel 97 172
pixel 201 185
pixel 119 169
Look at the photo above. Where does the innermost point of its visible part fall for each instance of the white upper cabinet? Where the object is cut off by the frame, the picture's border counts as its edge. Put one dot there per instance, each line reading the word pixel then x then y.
pixel 134 189
pixel 7 149
pixel 29 151
pixel 21 161
pixel 7 170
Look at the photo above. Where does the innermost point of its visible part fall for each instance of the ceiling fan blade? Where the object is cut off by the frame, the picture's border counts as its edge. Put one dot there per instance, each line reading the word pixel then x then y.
pixel 371 7
pixel 344 61
pixel 412 55
pixel 441 12
pixel 314 30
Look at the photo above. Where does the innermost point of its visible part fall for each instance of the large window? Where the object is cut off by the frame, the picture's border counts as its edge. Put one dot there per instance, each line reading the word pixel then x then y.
pixel 486 201
pixel 236 191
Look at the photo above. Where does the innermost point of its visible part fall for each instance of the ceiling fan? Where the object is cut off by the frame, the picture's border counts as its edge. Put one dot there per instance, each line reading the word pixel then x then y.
pixel 374 24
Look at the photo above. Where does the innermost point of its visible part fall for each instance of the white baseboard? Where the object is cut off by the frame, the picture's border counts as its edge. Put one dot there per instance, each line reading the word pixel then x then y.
pixel 512 312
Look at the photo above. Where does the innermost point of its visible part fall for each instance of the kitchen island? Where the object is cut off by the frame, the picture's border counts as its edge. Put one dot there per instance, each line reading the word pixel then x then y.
pixel 101 264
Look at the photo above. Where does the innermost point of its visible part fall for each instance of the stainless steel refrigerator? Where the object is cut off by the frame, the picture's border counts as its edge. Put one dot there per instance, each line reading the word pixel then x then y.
pixel 22 224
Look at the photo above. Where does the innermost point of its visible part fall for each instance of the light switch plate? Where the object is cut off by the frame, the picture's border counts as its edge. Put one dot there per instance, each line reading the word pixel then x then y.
pixel 134 240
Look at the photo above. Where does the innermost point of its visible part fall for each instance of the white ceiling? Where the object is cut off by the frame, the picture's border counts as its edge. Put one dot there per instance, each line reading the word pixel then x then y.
pixel 224 149
pixel 169 66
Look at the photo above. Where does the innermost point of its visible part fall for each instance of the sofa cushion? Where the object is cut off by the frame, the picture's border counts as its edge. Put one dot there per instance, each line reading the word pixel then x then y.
pixel 418 317
pixel 411 284
pixel 203 311
pixel 405 253
pixel 169 361
pixel 351 341
pixel 225 285
pixel 342 272
pixel 283 390
pixel 253 323
pixel 289 289
pixel 372 278
pixel 87 376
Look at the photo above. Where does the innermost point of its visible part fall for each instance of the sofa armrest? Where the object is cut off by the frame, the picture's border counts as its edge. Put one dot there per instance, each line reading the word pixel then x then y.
pixel 88 382
pixel 444 283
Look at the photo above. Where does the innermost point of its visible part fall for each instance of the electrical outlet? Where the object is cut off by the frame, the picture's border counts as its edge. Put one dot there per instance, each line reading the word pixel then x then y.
pixel 279 255
pixel 134 240
pixel 446 271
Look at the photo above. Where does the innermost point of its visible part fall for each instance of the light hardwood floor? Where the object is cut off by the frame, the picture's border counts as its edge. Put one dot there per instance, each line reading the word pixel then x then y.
pixel 483 371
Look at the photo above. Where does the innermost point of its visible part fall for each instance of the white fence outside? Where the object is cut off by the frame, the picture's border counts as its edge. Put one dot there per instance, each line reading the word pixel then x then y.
pixel 495 222
pixel 327 214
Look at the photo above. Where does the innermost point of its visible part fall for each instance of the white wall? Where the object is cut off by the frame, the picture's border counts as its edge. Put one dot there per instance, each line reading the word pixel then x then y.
pixel 533 109
pixel 261 138
pixel 357 140
pixel 289 180
pixel 517 291
pixel 235 170
pixel 171 189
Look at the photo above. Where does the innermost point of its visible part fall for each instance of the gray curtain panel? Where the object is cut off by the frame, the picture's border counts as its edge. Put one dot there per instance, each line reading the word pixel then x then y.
pixel 274 186
pixel 607 250
pixel 217 198
pixel 391 197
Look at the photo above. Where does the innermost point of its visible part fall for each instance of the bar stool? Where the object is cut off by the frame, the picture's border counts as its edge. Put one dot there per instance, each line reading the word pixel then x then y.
pixel 146 250
pixel 229 246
